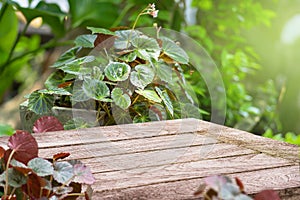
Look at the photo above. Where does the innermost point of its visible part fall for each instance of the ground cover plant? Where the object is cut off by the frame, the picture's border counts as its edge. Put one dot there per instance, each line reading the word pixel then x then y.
pixel 25 175
pixel 124 74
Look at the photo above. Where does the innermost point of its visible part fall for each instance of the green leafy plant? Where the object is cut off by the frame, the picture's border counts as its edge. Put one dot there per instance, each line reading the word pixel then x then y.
pixel 6 130
pixel 224 188
pixel 287 137
pixel 19 59
pixel 220 26
pixel 127 72
pixel 24 175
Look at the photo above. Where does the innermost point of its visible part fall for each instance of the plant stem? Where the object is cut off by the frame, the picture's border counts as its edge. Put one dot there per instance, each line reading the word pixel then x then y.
pixel 12 192
pixel 135 22
pixel 50 180
pixel 48 45
pixel 6 169
pixel 75 194
pixel 106 110
pixel 136 98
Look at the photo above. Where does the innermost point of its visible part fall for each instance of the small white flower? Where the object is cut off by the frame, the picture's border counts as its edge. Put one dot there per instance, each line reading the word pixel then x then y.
pixel 154 13
pixel 152 6
pixel 152 10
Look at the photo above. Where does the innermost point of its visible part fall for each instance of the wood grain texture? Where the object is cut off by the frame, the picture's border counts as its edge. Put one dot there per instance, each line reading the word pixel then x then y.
pixel 189 170
pixel 286 180
pixel 251 141
pixel 169 159
pixel 162 157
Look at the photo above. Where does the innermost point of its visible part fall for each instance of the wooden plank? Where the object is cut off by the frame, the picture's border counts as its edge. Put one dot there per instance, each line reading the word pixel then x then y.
pixel 164 157
pixel 251 141
pixel 286 180
pixel 183 171
pixel 117 133
pixel 121 147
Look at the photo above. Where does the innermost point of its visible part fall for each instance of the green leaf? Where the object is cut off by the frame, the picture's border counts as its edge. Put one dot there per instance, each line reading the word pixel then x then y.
pixel 66 57
pixel 51 14
pixel 16 163
pixel 164 72
pixel 63 172
pixel 116 71
pixel 124 38
pixel 6 130
pixel 166 99
pixel 86 41
pixel 171 49
pixel 76 67
pixel 149 94
pixel 79 94
pixel 96 89
pixel 97 73
pixel 55 79
pixel 40 103
pixel 120 98
pixel 147 47
pixel 92 13
pixel 143 54
pixel 121 116
pixel 41 167
pixel 144 42
pixel 129 57
pixel 142 76
pixel 100 30
pixel 141 119
pixel 56 91
pixel 78 123
pixel 8 32
pixel 189 110
pixel 15 178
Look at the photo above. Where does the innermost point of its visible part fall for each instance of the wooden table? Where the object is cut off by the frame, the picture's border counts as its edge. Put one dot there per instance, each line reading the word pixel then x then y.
pixel 169 159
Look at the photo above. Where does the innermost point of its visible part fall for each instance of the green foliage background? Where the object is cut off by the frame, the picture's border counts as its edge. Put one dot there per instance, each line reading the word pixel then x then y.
pixel 219 26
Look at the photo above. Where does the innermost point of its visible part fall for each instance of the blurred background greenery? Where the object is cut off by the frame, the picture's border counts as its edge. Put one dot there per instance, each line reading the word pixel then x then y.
pixel 254 43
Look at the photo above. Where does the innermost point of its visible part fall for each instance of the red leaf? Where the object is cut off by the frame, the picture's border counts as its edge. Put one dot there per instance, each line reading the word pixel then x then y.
pixel 2 151
pixel 240 184
pixel 47 124
pixel 104 41
pixel 34 186
pixel 6 155
pixel 60 156
pixel 66 84
pixel 24 171
pixel 267 195
pixel 24 145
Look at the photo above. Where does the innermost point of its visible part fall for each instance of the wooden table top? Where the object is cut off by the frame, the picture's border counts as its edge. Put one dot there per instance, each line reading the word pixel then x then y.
pixel 169 159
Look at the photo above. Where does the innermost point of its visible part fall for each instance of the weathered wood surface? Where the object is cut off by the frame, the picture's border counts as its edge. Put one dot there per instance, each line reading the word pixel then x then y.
pixel 169 159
